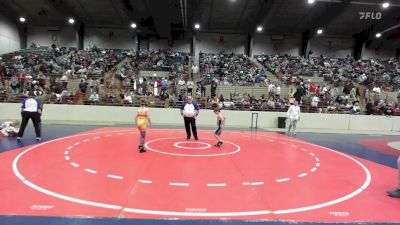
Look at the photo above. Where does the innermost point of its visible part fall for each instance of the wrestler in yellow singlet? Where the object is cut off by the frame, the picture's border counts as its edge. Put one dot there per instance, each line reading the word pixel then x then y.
pixel 142 120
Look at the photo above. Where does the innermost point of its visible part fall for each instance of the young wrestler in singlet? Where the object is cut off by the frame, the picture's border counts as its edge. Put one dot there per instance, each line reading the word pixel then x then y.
pixel 221 124
pixel 142 120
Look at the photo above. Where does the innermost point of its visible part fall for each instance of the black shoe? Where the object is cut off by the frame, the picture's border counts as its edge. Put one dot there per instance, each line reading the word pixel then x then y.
pixel 187 138
pixel 196 138
pixel 218 144
pixel 141 149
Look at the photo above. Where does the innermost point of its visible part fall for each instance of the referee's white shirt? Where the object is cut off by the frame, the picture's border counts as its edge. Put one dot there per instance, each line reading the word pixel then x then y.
pixel 30 105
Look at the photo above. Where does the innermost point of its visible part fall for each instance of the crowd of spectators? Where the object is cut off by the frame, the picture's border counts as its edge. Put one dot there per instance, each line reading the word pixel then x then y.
pixel 294 69
pixel 164 60
pixel 231 69
pixel 47 71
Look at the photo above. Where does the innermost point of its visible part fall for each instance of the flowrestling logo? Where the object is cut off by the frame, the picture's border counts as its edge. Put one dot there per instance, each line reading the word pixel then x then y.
pixel 370 15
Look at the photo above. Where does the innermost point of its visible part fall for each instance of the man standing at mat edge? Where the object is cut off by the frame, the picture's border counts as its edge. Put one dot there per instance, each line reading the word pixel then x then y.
pixel 30 109
pixel 293 115
pixel 190 111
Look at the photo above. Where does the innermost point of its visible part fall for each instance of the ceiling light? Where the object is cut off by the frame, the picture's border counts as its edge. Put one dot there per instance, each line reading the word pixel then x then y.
pixel 71 21
pixel 22 19
pixel 320 31
pixel 311 1
pixel 259 28
pixel 197 26
pixel 133 25
pixel 378 35
pixel 385 4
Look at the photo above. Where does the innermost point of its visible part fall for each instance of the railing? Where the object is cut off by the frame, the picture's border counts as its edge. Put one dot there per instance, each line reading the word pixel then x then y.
pixel 157 103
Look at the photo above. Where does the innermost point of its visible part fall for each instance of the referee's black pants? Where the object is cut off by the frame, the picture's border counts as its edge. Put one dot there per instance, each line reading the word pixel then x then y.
pixel 190 121
pixel 35 117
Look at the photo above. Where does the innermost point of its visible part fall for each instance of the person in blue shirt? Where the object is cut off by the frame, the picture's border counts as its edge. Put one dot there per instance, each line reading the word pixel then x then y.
pixel 30 109
pixel 190 111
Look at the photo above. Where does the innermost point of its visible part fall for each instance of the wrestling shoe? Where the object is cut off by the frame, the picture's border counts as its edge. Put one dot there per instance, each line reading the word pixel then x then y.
pixel 141 149
pixel 394 193
pixel 218 144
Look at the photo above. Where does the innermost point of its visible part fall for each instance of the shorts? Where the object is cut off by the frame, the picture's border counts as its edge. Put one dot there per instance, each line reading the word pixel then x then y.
pixel 218 131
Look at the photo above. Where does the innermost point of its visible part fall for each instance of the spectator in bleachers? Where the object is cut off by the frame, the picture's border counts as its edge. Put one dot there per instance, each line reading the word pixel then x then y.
pixel 398 98
pixel 181 86
pixel 128 98
pixel 271 89
pixel 164 84
pixel 314 101
pixel 369 107
pixel 94 98
pixel 355 110
pixel 277 91
pixel 300 92
pixel 143 87
pixel 190 85
pixel 388 110
pixel 83 86
pixel 203 87
pixel 214 84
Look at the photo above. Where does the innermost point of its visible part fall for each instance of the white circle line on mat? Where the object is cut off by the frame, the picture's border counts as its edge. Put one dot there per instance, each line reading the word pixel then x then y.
pixel 190 155
pixel 182 213
pixel 177 144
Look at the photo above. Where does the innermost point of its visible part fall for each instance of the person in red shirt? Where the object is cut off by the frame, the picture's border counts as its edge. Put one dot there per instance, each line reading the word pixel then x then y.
pixel 312 87
pixel 21 79
pixel 318 91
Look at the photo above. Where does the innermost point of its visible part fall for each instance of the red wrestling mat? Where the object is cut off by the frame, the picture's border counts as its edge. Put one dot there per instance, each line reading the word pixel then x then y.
pixel 260 175
pixel 386 145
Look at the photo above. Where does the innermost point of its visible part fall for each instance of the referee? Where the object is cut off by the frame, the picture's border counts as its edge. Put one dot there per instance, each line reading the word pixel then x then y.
pixel 190 111
pixel 30 110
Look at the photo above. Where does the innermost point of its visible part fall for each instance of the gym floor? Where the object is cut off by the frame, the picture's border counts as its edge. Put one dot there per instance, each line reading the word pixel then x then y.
pixel 84 174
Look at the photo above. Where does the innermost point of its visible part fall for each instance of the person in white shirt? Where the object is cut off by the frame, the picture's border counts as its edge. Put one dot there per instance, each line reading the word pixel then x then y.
pixel 94 97
pixel 293 115
pixel 190 111
pixel 278 90
pixel 9 128
pixel 355 109
pixel 181 86
pixel 189 87
pixel 271 89
pixel 155 89
pixel 314 101
pixel 195 70
pixel 30 109
pixel 128 98
pixel 377 90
